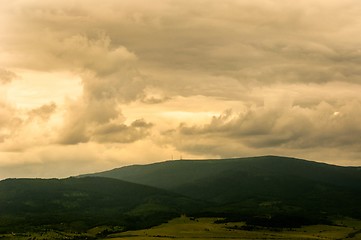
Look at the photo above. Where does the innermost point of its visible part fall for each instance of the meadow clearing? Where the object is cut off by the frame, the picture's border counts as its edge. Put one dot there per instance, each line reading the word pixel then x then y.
pixel 205 228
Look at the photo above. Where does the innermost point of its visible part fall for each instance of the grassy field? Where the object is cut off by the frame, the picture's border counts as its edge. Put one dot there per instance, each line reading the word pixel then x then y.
pixel 205 228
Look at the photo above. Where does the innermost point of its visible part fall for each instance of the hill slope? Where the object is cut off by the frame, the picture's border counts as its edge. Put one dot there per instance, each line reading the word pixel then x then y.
pixel 259 185
pixel 80 203
pixel 173 174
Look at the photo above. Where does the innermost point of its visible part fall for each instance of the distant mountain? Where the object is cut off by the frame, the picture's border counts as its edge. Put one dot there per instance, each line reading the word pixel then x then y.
pixel 267 191
pixel 263 185
pixel 175 174
pixel 81 203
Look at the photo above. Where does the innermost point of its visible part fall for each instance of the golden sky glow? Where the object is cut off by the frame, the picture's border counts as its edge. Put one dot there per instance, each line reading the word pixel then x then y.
pixel 87 85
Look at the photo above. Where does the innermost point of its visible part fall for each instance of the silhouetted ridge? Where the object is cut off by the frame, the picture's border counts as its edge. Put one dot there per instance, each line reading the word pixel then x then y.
pixel 182 172
pixel 256 185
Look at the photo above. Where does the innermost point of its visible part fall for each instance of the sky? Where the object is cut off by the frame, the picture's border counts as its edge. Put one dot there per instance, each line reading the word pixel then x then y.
pixel 89 85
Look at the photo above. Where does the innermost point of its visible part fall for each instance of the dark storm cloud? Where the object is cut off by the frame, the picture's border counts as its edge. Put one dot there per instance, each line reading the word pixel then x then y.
pixel 262 41
pixel 287 128
pixel 121 133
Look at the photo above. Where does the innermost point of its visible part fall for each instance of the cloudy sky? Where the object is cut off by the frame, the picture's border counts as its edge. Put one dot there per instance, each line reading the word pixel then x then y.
pixel 91 85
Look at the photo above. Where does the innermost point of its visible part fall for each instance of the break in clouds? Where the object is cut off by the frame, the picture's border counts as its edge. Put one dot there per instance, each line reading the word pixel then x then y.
pixel 87 86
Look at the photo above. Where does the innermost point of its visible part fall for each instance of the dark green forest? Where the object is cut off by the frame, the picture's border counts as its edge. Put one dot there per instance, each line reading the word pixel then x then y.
pixel 265 191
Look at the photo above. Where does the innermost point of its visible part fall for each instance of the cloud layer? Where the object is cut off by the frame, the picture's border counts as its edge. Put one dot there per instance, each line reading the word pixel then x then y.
pixel 201 79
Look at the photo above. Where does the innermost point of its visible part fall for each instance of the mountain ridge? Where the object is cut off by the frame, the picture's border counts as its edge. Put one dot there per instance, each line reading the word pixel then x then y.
pixel 256 190
pixel 154 174
pixel 257 185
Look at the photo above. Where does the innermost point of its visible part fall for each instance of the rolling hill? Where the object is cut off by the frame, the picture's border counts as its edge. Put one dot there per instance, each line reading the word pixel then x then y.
pixel 174 174
pixel 81 203
pixel 265 185
pixel 263 191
